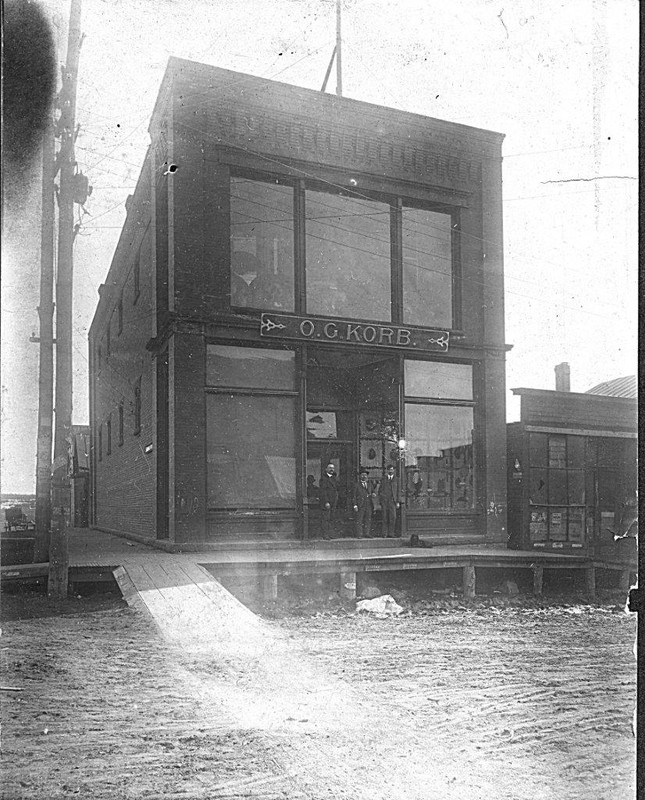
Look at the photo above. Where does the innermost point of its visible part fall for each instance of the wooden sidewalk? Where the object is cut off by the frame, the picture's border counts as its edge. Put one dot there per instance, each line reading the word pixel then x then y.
pixel 149 576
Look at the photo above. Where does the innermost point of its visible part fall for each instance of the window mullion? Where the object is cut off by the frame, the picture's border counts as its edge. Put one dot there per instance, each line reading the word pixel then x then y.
pixel 396 249
pixel 299 244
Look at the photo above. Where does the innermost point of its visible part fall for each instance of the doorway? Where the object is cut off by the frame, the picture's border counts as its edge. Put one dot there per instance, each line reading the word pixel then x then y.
pixel 351 416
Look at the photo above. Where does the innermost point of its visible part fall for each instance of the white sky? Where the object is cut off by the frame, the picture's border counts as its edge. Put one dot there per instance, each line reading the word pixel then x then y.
pixel 559 78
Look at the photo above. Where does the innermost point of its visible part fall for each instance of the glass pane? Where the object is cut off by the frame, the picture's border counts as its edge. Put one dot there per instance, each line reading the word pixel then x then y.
pixel 558 487
pixel 576 480
pixel 261 245
pixel 250 367
pixel 538 487
pixel 576 524
pixel 558 451
pixel 575 451
pixel 537 449
pixel 427 268
pixel 251 452
pixel 539 525
pixel 558 524
pixel 433 379
pixel 348 257
pixel 439 457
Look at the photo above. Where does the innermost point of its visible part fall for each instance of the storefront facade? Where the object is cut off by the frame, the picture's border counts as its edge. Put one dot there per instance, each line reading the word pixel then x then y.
pixel 573 474
pixel 326 287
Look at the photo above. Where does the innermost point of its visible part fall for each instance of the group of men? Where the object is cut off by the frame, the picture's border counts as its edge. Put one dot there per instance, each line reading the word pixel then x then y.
pixel 365 496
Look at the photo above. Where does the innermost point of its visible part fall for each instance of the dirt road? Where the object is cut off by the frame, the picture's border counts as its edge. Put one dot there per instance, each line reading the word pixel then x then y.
pixel 514 704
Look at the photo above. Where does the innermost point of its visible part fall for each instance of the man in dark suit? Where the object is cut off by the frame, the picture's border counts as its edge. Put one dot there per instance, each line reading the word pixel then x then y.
pixel 389 495
pixel 363 494
pixel 328 493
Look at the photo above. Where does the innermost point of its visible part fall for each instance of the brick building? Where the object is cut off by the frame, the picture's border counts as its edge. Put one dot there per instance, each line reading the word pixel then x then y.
pixel 301 279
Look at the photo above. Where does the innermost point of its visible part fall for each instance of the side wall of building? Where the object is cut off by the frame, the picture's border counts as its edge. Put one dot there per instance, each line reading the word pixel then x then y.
pixel 122 420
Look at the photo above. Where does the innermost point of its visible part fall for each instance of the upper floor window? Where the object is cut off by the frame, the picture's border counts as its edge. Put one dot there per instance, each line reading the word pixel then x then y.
pixel 108 430
pixel 262 245
pixel 312 250
pixel 427 267
pixel 136 277
pixel 119 313
pixel 137 407
pixel 121 422
pixel 348 257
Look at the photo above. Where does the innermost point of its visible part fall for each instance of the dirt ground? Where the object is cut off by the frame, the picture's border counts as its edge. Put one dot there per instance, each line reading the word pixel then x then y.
pixel 511 702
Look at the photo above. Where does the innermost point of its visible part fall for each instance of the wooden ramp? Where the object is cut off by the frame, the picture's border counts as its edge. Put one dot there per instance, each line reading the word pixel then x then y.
pixel 190 607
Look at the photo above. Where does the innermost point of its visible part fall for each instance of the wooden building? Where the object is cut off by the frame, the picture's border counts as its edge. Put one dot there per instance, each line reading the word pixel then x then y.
pixel 302 279
pixel 573 476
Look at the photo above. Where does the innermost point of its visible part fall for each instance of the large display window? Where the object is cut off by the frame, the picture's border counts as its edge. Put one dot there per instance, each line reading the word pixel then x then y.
pixel 314 248
pixel 348 257
pixel 262 245
pixel 251 429
pixel 427 267
pixel 439 422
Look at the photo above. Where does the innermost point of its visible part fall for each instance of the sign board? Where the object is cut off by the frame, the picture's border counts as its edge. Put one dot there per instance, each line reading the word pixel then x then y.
pixel 324 330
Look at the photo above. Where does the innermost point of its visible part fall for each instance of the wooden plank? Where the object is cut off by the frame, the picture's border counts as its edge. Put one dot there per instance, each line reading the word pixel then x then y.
pixel 469 581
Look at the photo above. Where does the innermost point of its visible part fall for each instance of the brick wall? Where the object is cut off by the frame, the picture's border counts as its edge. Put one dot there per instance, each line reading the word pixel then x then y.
pixel 124 480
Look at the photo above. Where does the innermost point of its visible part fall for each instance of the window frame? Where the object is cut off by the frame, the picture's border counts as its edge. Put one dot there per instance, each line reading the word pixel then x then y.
pixel 450 403
pixel 137 407
pixel 397 201
pixel 250 391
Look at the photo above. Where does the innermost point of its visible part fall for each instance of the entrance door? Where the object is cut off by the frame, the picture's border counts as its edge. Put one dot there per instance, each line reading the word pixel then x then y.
pixel 341 455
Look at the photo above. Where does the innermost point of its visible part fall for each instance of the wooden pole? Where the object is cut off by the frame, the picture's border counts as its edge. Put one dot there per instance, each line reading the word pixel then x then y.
pixel 339 60
pixel 46 359
pixel 61 495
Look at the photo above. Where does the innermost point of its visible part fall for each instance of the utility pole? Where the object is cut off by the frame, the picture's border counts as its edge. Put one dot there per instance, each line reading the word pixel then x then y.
pixel 46 360
pixel 336 54
pixel 61 494
pixel 339 65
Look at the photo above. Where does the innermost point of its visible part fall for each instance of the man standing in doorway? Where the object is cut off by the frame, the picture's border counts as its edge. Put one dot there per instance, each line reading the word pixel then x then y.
pixel 389 496
pixel 328 501
pixel 363 494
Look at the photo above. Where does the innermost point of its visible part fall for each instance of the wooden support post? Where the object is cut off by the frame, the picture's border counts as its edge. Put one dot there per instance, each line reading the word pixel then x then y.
pixel 57 582
pixel 269 588
pixel 538 579
pixel 590 577
pixel 469 582
pixel 624 580
pixel 348 585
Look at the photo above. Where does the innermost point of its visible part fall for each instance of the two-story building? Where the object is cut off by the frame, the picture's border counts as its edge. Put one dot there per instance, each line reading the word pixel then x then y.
pixel 302 279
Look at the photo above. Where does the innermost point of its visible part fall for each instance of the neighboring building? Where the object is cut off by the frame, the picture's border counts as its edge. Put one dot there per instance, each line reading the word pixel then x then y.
pixel 80 475
pixel 301 279
pixel 573 469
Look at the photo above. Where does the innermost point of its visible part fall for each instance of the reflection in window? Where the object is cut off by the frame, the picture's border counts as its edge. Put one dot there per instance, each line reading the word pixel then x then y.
pixel 435 379
pixel 250 367
pixel 251 452
pixel 427 268
pixel 261 245
pixel 348 257
pixel 439 457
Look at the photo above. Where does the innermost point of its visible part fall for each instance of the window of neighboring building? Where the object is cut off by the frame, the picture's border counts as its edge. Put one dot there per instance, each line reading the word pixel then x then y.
pixel 121 423
pixel 100 442
pixel 427 268
pixel 137 407
pixel 108 435
pixel 108 342
pixel 119 311
pixel 251 429
pixel 348 256
pixel 439 421
pixel 558 486
pixel 262 221
pixel 99 357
